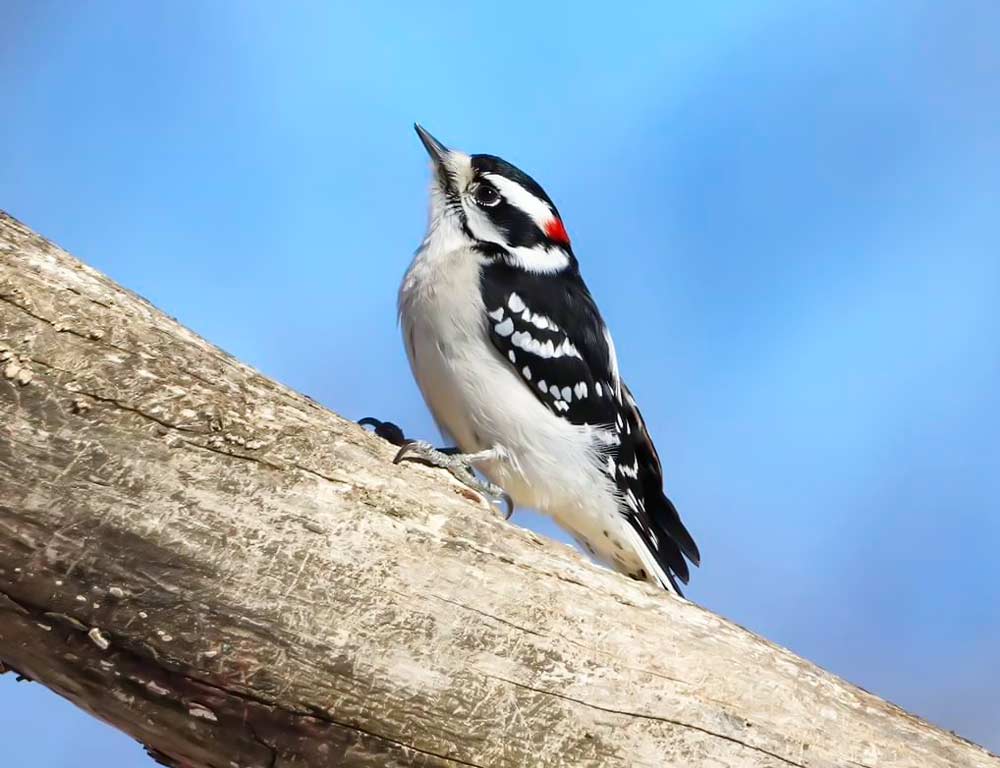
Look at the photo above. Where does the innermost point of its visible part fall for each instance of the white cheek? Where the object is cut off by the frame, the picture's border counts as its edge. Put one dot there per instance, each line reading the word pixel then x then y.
pixel 479 223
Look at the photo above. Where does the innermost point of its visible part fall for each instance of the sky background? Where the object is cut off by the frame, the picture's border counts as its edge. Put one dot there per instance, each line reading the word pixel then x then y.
pixel 788 212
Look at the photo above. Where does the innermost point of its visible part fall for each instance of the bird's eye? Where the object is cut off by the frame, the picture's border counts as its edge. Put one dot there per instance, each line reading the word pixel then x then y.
pixel 486 195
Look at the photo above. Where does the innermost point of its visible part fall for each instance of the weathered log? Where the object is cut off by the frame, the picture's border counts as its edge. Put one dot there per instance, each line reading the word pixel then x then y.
pixel 236 576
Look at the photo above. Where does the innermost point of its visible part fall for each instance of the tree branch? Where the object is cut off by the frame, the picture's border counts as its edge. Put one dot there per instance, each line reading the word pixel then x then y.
pixel 236 576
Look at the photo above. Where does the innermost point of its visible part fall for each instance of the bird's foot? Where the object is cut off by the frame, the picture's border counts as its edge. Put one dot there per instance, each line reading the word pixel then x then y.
pixel 386 430
pixel 460 465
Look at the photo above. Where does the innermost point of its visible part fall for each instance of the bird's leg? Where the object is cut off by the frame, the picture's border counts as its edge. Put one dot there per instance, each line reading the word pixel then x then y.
pixel 460 465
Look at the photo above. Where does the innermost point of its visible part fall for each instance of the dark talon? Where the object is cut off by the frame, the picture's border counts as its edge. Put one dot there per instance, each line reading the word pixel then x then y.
pixel 415 447
pixel 508 502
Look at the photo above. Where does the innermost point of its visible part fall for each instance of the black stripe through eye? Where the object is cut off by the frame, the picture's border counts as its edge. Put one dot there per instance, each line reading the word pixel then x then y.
pixel 519 228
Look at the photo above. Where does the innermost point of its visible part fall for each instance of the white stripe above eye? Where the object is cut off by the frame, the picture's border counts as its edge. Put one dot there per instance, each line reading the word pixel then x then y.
pixel 521 198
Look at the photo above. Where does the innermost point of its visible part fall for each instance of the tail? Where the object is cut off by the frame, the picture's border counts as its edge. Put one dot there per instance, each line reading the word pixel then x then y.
pixel 664 544
pixel 655 571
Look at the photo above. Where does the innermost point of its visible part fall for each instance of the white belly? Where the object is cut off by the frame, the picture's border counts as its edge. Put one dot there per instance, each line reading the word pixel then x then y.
pixel 478 399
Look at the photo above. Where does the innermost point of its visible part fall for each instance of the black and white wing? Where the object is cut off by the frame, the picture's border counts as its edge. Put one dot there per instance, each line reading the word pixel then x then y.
pixel 551 332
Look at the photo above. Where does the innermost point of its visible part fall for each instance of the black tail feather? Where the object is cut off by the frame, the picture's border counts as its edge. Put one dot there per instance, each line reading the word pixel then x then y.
pixel 670 521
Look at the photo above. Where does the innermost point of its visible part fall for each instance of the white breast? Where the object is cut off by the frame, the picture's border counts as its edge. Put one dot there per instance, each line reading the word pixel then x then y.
pixel 477 399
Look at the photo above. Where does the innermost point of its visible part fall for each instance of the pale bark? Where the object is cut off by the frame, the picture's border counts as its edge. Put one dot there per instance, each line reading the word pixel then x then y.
pixel 236 576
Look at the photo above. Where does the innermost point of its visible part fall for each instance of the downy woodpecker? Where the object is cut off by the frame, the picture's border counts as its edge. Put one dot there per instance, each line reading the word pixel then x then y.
pixel 518 368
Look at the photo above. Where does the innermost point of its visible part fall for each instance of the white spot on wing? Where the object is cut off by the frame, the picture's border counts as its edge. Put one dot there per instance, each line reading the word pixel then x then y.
pixel 510 354
pixel 506 328
pixel 527 372
pixel 632 471
pixel 567 348
pixel 527 342
pixel 515 303
pixel 567 394
pixel 497 314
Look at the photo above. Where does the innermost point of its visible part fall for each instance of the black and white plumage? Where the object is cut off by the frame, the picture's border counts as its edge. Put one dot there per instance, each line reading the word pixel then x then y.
pixel 517 366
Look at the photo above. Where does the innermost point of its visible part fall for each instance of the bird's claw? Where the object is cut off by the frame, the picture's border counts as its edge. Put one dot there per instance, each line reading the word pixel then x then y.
pixel 419 450
pixel 459 468
pixel 507 505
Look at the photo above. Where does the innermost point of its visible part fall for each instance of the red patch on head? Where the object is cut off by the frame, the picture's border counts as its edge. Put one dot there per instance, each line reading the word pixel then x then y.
pixel 556 231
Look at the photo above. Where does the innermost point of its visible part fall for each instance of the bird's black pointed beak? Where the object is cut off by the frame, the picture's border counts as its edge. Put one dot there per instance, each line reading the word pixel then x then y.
pixel 434 148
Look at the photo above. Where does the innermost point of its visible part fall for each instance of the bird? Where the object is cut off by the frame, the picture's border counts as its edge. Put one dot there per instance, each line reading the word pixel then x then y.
pixel 519 371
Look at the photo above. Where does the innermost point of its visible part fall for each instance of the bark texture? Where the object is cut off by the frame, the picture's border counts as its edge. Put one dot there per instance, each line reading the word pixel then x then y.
pixel 238 577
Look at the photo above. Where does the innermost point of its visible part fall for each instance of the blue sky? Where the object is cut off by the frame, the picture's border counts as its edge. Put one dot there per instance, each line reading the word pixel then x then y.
pixel 786 210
